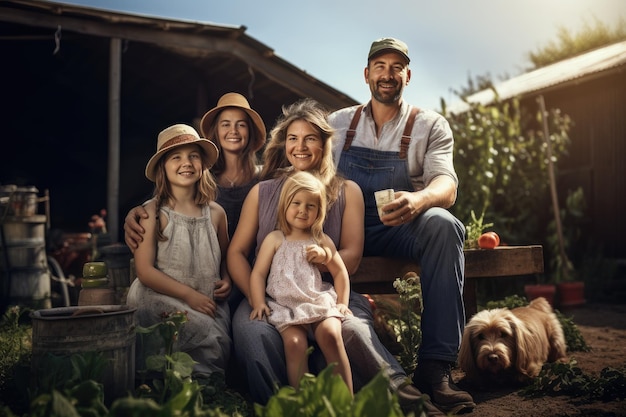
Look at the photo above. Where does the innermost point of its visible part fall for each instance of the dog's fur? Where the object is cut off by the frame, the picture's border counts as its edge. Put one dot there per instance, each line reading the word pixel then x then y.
pixel 511 346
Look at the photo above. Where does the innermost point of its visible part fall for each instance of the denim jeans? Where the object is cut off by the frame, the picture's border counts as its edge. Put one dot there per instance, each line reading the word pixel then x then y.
pixel 259 350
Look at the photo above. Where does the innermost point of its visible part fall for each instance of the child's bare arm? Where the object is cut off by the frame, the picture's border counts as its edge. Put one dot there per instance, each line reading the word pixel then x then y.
pixel 341 278
pixel 258 276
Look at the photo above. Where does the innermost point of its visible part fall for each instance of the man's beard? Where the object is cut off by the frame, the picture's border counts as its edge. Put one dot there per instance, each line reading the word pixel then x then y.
pixel 386 98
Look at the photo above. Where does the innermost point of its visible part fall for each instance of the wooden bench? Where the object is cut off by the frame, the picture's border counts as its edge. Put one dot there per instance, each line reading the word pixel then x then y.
pixel 377 274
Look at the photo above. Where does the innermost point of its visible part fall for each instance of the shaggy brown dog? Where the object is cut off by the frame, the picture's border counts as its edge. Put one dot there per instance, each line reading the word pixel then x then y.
pixel 511 346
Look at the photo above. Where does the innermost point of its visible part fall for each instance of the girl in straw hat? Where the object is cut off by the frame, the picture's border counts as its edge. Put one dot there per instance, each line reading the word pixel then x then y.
pixel 183 221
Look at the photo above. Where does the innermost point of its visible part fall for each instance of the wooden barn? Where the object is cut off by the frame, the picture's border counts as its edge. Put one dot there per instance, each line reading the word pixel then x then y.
pixel 86 92
pixel 591 89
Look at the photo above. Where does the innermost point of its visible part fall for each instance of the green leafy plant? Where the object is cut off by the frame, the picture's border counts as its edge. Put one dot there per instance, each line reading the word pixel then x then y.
pixel 509 302
pixel 65 372
pixel 69 391
pixel 173 369
pixel 572 218
pixel 15 345
pixel 566 378
pixel 573 337
pixel 407 325
pixel 15 355
pixel 327 395
pixel 220 397
pixel 67 385
pixel 173 387
pixel 84 398
pixel 397 321
pixel 474 229
pixel 501 163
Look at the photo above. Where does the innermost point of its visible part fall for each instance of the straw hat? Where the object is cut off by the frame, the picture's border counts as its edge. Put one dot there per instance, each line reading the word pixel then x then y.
pixel 240 102
pixel 175 136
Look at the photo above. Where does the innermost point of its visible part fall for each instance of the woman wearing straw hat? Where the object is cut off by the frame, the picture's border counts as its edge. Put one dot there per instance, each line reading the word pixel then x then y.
pixel 184 220
pixel 239 132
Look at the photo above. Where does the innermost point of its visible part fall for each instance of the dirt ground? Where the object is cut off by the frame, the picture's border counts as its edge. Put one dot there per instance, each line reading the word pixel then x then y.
pixel 604 330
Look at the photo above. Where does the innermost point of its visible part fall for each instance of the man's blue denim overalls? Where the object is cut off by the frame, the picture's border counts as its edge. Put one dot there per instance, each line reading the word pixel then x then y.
pixel 434 240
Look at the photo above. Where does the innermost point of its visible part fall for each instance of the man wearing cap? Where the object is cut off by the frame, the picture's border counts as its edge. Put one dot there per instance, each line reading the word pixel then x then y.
pixel 389 144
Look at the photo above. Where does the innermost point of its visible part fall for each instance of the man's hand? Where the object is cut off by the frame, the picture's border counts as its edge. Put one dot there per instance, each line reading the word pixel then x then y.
pixel 405 207
pixel 133 232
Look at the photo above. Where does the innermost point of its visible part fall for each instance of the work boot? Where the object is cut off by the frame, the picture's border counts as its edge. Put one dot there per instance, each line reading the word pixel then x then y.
pixel 410 399
pixel 434 378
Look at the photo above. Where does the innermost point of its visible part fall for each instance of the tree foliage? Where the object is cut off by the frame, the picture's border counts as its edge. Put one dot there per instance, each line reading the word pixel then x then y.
pixel 501 160
pixel 569 44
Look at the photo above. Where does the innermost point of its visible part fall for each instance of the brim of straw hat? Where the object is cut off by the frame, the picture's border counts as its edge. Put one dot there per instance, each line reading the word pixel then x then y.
pixel 209 148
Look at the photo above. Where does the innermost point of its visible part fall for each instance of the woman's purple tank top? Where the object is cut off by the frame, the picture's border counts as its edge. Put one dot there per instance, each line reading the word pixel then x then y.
pixel 269 193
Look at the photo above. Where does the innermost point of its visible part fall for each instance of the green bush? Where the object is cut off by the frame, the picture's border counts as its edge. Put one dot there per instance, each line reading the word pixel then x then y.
pixel 15 356
pixel 500 158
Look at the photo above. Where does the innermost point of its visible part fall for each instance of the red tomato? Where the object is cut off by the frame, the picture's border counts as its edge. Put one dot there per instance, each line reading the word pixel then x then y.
pixel 497 238
pixel 488 240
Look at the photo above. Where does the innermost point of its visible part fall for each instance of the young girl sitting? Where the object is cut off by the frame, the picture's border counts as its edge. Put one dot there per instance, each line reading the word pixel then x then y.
pixel 180 263
pixel 299 302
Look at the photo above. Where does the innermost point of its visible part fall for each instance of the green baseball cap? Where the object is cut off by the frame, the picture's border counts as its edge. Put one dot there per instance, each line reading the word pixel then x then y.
pixel 389 45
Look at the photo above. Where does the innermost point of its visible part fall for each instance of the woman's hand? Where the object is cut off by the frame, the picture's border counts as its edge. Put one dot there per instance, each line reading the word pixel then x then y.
pixel 133 231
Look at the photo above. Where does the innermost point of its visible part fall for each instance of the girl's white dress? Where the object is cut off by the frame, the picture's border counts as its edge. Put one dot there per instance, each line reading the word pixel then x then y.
pixel 297 293
pixel 191 255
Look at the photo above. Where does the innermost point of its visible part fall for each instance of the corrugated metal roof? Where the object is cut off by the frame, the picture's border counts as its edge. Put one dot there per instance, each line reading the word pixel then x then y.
pixel 569 70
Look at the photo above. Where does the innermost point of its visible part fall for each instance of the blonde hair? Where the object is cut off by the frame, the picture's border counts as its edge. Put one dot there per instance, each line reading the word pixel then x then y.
pixel 295 183
pixel 275 160
pixel 205 188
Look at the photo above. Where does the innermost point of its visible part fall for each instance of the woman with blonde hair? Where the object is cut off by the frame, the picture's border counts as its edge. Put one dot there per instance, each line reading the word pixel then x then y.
pixel 302 140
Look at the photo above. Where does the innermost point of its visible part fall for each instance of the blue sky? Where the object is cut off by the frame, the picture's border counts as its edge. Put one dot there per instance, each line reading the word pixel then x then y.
pixel 449 40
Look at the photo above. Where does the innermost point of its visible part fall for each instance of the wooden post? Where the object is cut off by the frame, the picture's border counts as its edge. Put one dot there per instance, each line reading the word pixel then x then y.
pixel 565 262
pixel 113 183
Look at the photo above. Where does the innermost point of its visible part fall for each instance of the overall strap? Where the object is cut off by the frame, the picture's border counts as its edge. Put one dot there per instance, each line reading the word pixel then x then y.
pixel 406 135
pixel 352 129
